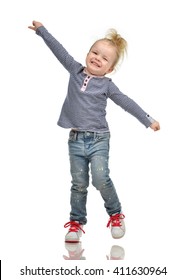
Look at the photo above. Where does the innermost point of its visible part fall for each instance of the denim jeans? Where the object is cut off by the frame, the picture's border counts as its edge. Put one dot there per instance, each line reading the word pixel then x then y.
pixel 90 151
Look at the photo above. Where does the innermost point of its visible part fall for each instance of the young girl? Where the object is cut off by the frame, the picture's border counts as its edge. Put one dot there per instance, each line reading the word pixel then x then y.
pixel 84 113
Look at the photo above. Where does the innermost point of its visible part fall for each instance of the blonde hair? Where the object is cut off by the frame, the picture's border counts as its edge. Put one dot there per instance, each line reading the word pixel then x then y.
pixel 119 42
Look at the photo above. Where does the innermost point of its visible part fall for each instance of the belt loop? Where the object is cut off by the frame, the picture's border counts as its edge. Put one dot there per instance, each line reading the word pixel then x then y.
pixel 75 135
pixel 95 133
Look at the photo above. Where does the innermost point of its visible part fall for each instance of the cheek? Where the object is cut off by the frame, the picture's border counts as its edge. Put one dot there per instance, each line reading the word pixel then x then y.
pixel 109 65
pixel 87 59
pixel 88 56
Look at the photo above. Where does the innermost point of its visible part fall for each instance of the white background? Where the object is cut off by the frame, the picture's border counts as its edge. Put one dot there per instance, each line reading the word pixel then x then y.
pixel 148 168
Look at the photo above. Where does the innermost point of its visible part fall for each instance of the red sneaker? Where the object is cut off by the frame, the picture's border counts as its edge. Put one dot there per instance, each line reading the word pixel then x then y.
pixel 117 225
pixel 75 231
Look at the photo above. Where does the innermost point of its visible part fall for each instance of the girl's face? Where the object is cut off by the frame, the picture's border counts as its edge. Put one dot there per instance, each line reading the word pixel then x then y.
pixel 101 58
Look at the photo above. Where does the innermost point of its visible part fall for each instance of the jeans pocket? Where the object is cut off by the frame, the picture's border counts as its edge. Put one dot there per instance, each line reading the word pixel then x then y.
pixel 103 136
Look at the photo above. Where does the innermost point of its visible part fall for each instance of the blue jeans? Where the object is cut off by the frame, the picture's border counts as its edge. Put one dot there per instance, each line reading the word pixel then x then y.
pixel 90 150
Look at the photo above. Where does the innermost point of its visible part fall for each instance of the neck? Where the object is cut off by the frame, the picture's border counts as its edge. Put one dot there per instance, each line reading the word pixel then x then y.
pixel 90 74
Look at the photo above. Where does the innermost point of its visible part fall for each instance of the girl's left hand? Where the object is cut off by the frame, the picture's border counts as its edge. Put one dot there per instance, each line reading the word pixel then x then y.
pixel 155 126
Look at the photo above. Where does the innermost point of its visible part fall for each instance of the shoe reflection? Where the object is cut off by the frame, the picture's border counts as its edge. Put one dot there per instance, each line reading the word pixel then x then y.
pixel 75 251
pixel 116 253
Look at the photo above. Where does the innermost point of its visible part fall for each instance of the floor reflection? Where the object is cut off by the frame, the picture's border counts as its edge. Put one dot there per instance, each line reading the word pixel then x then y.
pixel 116 253
pixel 75 251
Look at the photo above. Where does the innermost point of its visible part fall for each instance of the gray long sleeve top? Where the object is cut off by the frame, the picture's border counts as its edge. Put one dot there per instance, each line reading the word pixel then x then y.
pixel 85 104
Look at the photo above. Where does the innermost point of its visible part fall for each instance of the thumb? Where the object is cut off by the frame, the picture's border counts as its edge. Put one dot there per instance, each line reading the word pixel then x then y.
pixel 32 27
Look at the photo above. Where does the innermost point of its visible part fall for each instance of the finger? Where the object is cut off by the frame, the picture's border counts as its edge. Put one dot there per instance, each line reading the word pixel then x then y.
pixel 31 27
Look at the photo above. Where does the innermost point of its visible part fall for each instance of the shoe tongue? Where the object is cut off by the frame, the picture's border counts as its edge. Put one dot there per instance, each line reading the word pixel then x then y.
pixel 116 220
pixel 73 228
pixel 116 223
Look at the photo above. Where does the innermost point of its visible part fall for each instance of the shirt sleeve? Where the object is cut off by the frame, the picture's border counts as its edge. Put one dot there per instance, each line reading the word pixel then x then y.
pixel 129 105
pixel 58 50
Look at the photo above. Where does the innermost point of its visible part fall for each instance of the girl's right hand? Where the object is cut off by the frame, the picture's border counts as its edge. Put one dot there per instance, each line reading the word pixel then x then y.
pixel 35 25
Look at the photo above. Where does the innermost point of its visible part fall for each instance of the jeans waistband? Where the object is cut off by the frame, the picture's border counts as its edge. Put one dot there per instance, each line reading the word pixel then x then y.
pixel 85 134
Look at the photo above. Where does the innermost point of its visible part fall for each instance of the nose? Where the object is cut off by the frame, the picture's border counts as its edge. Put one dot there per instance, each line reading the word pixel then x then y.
pixel 97 58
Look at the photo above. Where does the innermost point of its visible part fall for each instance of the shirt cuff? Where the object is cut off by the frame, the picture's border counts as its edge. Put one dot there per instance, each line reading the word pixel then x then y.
pixel 150 118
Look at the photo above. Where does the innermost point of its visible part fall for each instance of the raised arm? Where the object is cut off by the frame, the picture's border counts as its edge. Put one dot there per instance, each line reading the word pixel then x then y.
pixel 57 48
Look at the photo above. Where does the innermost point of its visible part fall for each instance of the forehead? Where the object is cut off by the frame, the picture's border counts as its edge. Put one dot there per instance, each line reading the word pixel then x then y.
pixel 104 46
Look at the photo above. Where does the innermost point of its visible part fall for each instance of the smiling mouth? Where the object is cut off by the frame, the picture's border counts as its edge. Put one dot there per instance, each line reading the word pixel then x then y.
pixel 95 64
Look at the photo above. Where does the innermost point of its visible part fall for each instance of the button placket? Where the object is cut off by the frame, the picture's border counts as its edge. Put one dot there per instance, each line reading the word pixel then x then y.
pixel 85 83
